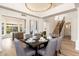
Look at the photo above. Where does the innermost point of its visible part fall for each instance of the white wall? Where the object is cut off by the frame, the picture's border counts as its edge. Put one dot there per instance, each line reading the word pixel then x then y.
pixel 18 15
pixel 0 25
pixel 52 23
pixel 73 26
pixel 0 34
pixel 72 18
pixel 69 17
pixel 39 23
pixel 1 21
pixel 10 14
pixel 77 30
pixel 11 20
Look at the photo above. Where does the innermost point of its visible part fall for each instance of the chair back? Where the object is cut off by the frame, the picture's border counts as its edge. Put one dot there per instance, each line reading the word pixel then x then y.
pixel 27 36
pixel 51 47
pixel 38 35
pixel 18 35
pixel 19 49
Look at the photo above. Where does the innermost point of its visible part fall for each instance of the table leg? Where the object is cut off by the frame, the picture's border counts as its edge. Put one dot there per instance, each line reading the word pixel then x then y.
pixel 36 52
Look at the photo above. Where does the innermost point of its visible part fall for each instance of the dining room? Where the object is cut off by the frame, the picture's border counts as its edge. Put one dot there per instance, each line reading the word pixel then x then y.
pixel 38 29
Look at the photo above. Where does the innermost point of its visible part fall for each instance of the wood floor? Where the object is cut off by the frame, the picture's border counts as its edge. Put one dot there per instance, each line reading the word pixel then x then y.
pixel 67 49
pixel 9 52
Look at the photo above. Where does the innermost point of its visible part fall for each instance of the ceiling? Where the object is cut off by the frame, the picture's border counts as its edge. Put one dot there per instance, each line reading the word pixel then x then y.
pixel 40 7
pixel 41 10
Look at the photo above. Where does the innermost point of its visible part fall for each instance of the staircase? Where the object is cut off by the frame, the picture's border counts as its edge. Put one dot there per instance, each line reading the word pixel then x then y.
pixel 58 28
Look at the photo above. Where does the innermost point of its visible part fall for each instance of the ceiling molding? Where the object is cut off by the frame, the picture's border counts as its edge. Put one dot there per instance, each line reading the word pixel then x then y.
pixel 13 17
pixel 39 15
pixel 71 10
pixel 18 11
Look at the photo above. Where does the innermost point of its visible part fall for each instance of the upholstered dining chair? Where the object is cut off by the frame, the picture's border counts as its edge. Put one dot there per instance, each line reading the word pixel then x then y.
pixel 27 36
pixel 20 51
pixel 19 36
pixel 59 42
pixel 50 49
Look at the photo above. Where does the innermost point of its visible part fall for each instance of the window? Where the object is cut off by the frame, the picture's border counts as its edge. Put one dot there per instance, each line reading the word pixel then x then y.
pixel 11 28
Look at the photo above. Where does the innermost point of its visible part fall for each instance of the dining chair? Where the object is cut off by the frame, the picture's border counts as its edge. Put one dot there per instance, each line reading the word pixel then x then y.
pixel 59 42
pixel 20 51
pixel 19 36
pixel 27 36
pixel 50 49
pixel 38 35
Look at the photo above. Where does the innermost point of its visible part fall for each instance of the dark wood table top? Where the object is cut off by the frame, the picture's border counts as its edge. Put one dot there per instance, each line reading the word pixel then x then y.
pixel 36 43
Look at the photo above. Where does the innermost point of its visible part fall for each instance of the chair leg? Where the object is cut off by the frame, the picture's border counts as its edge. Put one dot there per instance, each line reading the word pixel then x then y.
pixel 55 53
pixel 60 51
